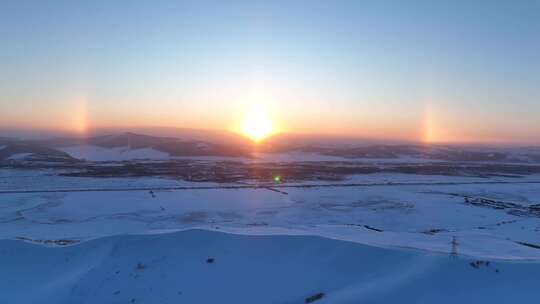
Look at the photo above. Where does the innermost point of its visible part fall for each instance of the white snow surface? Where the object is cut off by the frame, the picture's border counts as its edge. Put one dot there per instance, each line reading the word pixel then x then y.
pixel 317 157
pixel 104 154
pixel 19 156
pixel 174 268
pixel 386 240
pixel 406 211
pixel 96 153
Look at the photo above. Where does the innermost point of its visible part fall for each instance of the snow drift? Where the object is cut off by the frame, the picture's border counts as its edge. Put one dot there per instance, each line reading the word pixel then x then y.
pixel 210 267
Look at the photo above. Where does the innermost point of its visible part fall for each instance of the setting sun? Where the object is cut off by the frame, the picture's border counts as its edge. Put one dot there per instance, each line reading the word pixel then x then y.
pixel 256 124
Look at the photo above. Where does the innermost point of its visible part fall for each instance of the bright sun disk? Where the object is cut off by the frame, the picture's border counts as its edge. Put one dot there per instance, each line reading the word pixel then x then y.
pixel 256 124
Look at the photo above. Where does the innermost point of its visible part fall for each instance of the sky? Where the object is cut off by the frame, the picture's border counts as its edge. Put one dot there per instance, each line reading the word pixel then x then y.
pixel 433 71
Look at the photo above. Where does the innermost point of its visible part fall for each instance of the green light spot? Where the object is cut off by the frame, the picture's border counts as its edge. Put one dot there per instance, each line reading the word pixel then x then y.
pixel 277 178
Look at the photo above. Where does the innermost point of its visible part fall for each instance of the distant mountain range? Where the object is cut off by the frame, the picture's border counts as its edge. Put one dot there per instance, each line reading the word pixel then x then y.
pixel 124 146
pixel 133 146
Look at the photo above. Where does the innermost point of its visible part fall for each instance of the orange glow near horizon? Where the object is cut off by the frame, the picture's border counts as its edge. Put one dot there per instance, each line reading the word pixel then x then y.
pixel 80 117
pixel 432 123
pixel 429 130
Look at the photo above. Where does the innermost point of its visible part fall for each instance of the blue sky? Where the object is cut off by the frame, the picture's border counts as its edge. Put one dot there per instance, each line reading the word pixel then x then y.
pixel 465 70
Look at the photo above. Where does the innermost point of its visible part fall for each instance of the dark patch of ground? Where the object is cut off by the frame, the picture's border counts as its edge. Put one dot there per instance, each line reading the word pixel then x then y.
pixel 314 297
pixel 529 245
pixel 49 242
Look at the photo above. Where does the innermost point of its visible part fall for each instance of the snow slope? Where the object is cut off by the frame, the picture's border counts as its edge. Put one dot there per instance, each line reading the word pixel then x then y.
pixel 19 156
pixel 174 268
pixel 96 153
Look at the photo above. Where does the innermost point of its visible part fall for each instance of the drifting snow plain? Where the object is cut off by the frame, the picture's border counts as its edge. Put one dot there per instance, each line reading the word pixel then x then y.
pixel 398 239
pixel 175 268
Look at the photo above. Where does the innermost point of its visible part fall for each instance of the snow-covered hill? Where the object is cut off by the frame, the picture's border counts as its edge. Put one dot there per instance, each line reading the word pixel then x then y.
pixel 97 153
pixel 211 267
pixel 132 146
